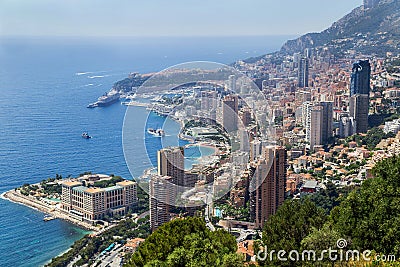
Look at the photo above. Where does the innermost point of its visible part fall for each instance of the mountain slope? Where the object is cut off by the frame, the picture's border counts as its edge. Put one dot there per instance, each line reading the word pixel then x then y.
pixel 370 31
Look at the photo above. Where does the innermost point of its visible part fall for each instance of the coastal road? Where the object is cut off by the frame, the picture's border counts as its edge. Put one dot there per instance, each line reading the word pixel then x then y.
pixel 113 259
pixel 208 211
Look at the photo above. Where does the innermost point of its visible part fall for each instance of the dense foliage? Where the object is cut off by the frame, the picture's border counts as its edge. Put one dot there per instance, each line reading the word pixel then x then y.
pixel 107 183
pixel 371 139
pixel 368 218
pixel 187 242
pixel 330 197
pixel 293 222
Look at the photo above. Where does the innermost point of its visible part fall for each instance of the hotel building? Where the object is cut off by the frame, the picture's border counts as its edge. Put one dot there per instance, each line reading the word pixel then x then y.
pixel 92 203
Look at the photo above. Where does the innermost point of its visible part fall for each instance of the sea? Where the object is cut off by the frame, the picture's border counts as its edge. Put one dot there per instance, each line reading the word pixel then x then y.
pixel 46 84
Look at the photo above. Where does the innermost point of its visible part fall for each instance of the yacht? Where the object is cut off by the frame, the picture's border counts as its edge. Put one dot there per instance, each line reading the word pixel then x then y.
pixel 158 132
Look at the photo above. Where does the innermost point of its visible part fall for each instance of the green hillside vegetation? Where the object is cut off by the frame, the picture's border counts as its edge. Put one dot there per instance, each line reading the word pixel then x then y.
pixel 368 218
pixel 187 242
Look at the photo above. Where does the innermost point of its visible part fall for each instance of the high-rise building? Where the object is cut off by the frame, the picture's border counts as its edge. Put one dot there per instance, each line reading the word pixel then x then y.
pixel 347 126
pixel 255 149
pixel 360 78
pixel 245 117
pixel 321 123
pixel 232 83
pixel 230 113
pixel 296 58
pixel 171 162
pixel 208 100
pixel 269 184
pixel 319 120
pixel 303 73
pixel 306 108
pixel 244 140
pixel 359 107
pixel 316 126
pixel 359 94
pixel 161 194
pixel 327 121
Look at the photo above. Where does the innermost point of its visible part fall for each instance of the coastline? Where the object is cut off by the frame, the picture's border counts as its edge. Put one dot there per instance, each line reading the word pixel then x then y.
pixel 30 202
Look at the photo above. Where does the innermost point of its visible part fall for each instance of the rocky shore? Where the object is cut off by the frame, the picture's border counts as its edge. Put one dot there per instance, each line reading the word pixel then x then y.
pixel 53 210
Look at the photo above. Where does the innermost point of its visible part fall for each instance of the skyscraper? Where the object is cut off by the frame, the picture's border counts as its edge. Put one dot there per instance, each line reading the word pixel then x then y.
pixel 303 73
pixel 306 117
pixel 319 123
pixel 316 126
pixel 230 113
pixel 359 107
pixel 160 193
pixel 359 94
pixel 327 121
pixel 269 185
pixel 360 78
pixel 171 162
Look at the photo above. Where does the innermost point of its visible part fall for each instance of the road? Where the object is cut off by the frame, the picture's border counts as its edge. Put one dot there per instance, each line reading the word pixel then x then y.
pixel 112 258
pixel 208 211
pixel 244 233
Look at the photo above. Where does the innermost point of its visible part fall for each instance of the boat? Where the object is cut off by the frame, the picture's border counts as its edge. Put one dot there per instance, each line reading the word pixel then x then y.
pixel 106 99
pixel 47 218
pixel 158 132
pixel 93 105
pixel 86 135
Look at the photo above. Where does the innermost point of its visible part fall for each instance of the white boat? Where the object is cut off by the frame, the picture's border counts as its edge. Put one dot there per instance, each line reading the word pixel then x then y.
pixel 158 132
pixel 47 218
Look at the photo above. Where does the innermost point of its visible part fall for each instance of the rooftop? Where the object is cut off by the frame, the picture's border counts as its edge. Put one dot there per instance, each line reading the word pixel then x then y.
pixel 93 190
pixel 80 188
pixel 71 183
pixel 310 184
pixel 126 183
pixel 112 188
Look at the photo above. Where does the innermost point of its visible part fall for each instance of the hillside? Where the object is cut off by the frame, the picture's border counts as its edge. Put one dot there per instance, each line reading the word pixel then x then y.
pixel 369 31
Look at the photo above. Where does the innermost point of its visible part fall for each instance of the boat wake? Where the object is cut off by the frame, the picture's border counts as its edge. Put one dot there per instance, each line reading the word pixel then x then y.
pixel 90 72
pixel 2 196
pixel 81 73
pixel 98 76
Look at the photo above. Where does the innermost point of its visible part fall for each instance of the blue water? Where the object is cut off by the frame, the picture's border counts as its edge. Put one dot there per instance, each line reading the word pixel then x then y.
pixel 43 112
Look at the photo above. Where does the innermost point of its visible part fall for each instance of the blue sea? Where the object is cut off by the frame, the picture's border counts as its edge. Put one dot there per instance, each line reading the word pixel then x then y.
pixel 45 85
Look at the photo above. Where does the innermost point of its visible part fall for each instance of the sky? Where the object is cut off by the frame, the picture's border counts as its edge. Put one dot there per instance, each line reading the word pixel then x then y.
pixel 169 17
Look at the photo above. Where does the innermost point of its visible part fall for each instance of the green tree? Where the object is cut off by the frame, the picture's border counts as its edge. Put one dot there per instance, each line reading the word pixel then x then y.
pixel 370 216
pixel 184 242
pixel 286 229
pixel 319 240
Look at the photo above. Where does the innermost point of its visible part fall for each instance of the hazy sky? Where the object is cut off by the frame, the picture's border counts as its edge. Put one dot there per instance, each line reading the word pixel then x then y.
pixel 166 18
